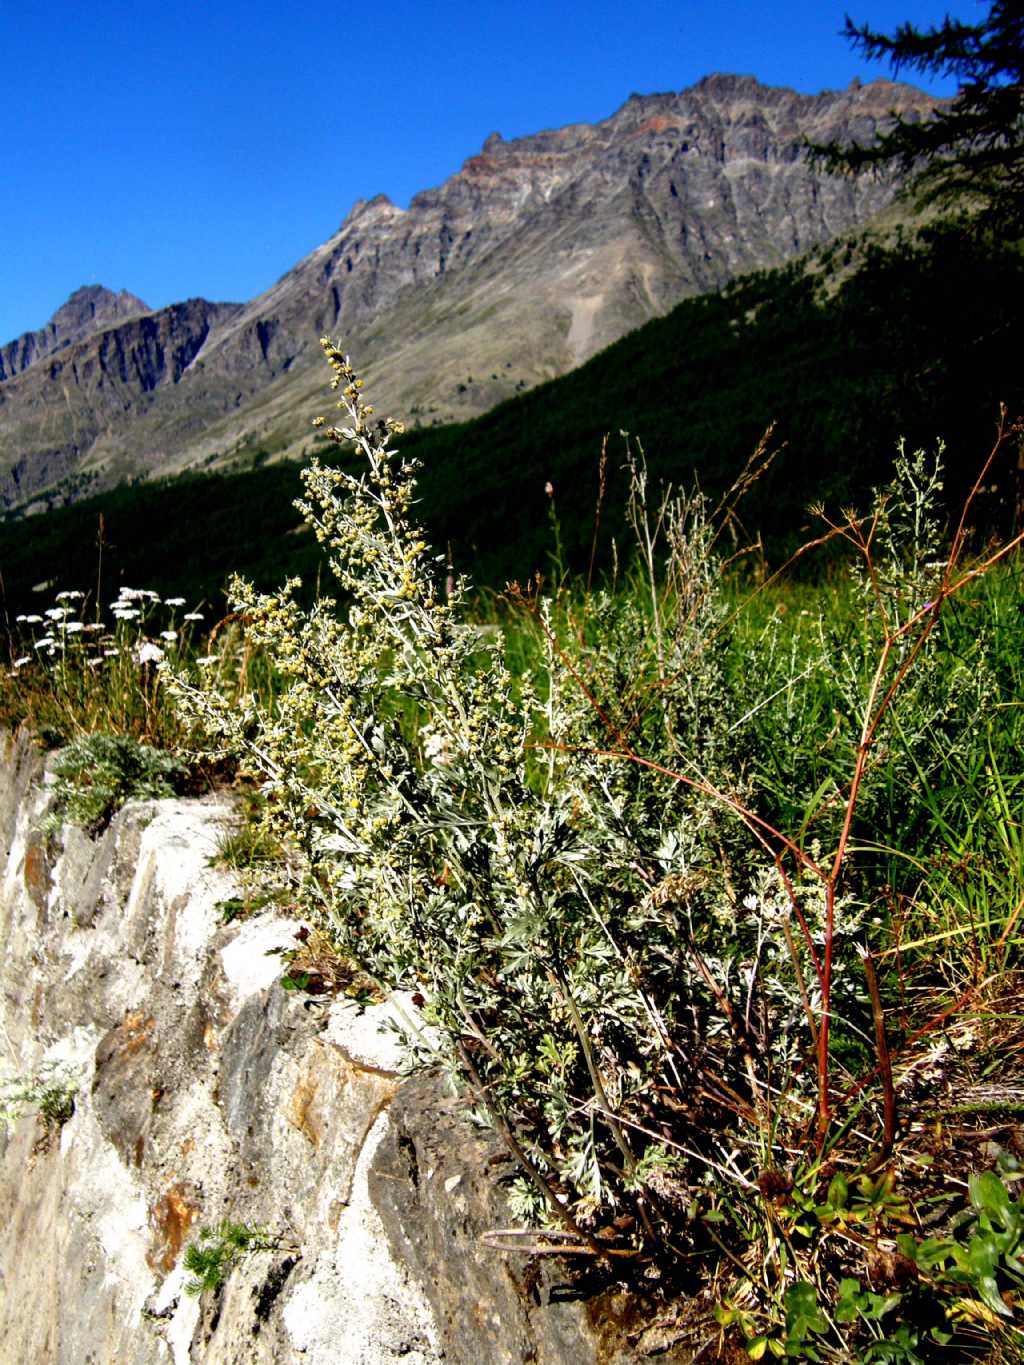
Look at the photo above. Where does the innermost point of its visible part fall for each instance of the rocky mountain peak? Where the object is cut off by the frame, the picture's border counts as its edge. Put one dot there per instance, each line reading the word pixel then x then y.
pixel 94 304
pixel 370 211
pixel 90 309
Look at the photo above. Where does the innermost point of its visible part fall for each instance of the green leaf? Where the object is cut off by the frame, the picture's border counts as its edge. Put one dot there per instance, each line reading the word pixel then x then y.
pixel 989 1197
pixel 299 982
pixel 802 1312
pixel 522 930
pixel 838 1191
pixel 982 1255
pixel 989 1291
pixel 907 1245
pixel 932 1252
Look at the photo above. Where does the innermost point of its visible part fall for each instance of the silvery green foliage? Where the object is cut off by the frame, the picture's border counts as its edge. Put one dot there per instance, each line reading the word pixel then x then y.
pixel 599 944
pixel 95 775
pixel 543 912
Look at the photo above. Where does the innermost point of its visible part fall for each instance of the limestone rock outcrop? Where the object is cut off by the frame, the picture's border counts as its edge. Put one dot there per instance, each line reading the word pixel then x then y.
pixel 205 1092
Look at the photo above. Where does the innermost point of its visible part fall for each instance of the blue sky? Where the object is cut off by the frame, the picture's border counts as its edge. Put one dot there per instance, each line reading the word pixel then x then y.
pixel 202 147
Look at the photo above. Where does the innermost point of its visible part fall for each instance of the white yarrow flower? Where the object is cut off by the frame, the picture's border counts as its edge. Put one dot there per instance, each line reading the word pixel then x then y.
pixel 149 652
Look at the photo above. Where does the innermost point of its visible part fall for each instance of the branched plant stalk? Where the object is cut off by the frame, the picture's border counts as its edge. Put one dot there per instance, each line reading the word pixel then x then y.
pixel 883 689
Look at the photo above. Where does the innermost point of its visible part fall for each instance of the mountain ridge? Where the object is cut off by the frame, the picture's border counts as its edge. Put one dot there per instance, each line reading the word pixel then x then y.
pixel 538 252
pixel 89 309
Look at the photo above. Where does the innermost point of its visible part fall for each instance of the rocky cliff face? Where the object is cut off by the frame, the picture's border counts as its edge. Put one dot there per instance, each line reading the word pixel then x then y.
pixel 206 1092
pixel 536 254
pixel 72 399
pixel 89 309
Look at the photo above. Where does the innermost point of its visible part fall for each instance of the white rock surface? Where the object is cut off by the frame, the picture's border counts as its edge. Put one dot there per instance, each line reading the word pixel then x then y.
pixel 205 1092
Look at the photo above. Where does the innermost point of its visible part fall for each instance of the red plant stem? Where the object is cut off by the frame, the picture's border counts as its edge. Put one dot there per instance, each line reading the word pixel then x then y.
pixel 915 1037
pixel 606 720
pixel 759 827
pixel 872 716
pixel 824 1032
pixel 1003 431
pixel 878 703
pixel 874 712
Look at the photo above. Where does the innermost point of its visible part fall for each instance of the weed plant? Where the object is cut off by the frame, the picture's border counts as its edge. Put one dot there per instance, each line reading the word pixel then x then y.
pixel 96 774
pixel 259 863
pixel 688 906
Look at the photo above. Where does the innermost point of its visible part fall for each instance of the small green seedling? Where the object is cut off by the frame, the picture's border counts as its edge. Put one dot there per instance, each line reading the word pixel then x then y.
pixel 216 1252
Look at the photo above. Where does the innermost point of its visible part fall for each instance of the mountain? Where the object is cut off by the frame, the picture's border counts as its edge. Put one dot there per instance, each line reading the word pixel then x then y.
pixel 891 336
pixel 96 393
pixel 89 309
pixel 538 253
